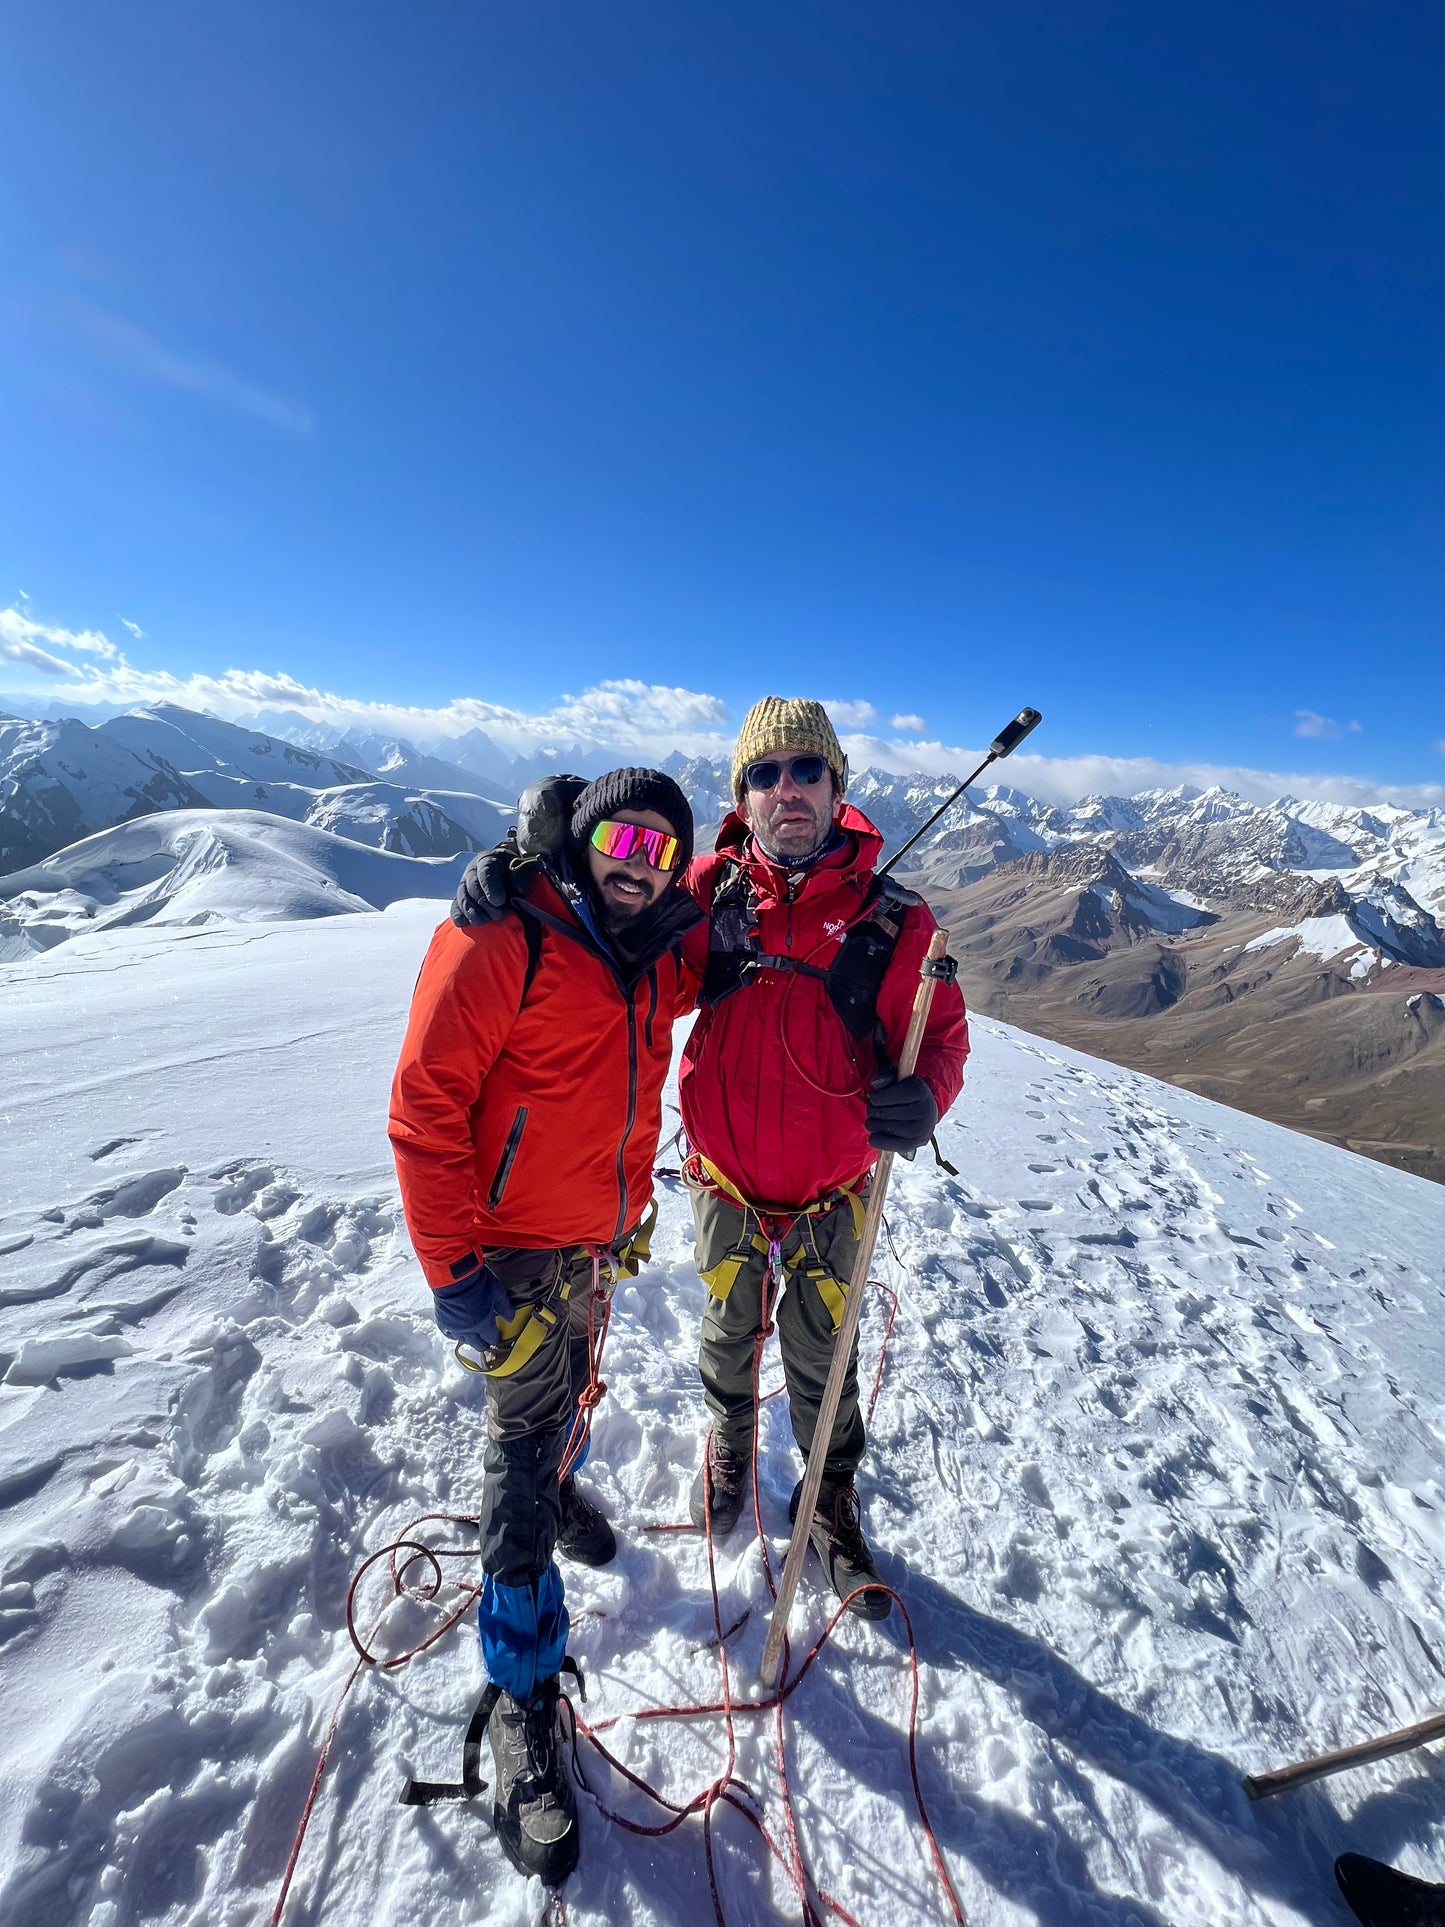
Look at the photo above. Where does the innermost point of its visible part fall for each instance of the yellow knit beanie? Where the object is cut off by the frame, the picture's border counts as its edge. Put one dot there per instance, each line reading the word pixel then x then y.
pixel 795 723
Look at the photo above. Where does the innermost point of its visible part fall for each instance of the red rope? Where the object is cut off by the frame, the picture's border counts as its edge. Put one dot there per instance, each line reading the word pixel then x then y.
pixel 726 1789
pixel 426 1593
pixel 595 1390
pixel 892 1296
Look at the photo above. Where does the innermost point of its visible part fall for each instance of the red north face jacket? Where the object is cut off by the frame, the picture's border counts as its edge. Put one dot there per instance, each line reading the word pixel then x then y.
pixel 529 1122
pixel 773 1087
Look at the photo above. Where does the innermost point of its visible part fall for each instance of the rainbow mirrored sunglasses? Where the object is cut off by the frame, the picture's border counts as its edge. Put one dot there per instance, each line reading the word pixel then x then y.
pixel 622 840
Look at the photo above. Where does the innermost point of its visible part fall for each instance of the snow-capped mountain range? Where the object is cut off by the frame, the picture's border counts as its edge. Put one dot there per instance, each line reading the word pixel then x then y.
pixel 1201 930
pixel 63 780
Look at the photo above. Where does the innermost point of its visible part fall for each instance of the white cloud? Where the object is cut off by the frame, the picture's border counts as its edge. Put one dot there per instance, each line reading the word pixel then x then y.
pixel 1309 722
pixel 646 721
pixel 846 715
pixel 175 367
pixel 651 718
pixel 1064 779
pixel 911 725
pixel 20 640
pixel 643 706
pixel 134 628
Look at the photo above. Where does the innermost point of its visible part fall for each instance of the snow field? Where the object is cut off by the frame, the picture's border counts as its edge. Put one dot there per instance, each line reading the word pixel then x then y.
pixel 1156 1466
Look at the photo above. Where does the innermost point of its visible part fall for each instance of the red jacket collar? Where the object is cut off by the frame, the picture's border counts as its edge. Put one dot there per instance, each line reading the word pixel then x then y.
pixel 858 856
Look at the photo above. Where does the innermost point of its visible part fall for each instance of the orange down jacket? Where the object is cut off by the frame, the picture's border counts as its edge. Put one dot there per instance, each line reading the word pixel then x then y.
pixel 529 1121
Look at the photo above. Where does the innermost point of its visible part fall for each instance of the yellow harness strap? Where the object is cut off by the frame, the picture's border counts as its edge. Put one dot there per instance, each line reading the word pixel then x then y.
pixel 631 1256
pixel 523 1334
pixel 526 1330
pixel 721 1277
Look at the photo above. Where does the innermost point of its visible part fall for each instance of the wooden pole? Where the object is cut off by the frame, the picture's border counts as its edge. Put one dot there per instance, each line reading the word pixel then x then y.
pixel 1259 1786
pixel 843 1343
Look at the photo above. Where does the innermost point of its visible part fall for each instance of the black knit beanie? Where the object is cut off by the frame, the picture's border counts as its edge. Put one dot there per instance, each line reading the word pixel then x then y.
pixel 633 789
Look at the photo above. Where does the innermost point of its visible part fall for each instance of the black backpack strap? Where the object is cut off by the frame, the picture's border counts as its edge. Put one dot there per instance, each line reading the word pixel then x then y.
pixel 855 976
pixel 532 931
pixel 732 934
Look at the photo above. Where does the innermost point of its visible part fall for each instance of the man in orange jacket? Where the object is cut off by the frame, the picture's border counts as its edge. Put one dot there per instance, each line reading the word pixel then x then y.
pixel 525 1116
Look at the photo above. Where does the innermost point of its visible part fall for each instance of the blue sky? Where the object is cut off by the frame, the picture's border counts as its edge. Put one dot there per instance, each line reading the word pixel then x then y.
pixel 941 358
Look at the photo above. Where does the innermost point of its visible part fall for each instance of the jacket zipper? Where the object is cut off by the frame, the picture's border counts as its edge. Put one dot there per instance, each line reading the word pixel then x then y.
pixel 508 1157
pixel 651 1004
pixel 631 1115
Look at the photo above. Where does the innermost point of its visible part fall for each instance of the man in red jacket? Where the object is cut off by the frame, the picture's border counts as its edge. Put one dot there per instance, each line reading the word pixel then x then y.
pixel 789 1093
pixel 525 1115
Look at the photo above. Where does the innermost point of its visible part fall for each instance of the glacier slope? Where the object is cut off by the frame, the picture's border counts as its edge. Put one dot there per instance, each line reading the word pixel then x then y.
pixel 1157 1465
pixel 197 867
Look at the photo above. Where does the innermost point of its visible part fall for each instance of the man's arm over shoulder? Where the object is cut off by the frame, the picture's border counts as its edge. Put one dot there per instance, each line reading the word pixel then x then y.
pixel 462 1012
pixel 945 1039
pixel 699 880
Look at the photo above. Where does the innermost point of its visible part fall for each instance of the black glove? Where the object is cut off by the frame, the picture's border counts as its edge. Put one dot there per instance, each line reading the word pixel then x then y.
pixel 469 1309
pixel 902 1113
pixel 490 884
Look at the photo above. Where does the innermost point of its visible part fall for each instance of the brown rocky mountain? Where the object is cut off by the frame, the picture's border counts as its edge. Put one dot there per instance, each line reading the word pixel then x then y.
pixel 1237 1001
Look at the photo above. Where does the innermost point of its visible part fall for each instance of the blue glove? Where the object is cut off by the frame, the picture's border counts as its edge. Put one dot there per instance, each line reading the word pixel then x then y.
pixel 469 1309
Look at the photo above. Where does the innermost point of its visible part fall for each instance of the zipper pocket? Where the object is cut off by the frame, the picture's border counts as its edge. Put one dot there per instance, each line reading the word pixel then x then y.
pixel 508 1157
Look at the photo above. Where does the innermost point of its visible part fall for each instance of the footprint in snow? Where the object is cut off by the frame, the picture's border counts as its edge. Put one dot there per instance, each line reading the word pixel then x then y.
pixel 133 1197
pixel 114 1144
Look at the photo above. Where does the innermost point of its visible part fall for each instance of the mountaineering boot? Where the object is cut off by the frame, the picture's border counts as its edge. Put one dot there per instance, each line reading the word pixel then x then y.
pixel 726 1473
pixel 585 1536
pixel 1384 1897
pixel 837 1536
pixel 535 1810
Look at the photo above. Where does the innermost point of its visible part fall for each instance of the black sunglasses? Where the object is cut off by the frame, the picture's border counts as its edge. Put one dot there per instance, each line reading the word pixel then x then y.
pixel 804 770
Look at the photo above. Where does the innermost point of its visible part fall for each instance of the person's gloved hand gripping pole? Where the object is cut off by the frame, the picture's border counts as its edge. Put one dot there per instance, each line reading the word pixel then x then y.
pixel 902 1113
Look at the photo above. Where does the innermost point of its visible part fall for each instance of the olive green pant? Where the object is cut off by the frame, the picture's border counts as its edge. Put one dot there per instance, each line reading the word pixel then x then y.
pixel 730 1326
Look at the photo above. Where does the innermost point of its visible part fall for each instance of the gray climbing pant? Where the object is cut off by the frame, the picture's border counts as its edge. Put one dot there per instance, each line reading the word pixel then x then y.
pixel 816 1262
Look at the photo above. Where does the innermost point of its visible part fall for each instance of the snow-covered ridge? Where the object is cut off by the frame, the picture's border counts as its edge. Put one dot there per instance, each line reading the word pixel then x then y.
pixel 1156 1467
pixel 60 781
pixel 193 867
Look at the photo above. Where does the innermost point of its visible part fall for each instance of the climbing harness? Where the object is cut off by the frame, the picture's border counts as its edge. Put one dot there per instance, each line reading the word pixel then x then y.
pixel 773 1227
pixel 525 1332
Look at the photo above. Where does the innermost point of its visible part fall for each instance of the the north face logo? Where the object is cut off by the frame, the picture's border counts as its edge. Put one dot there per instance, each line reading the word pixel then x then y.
pixel 834 927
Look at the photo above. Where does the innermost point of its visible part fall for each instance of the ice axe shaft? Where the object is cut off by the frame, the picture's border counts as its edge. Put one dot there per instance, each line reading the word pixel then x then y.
pixel 1004 744
pixel 1259 1786
pixel 933 969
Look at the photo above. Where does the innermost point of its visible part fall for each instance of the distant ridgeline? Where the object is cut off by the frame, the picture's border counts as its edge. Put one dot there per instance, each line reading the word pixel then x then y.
pixel 1288 958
